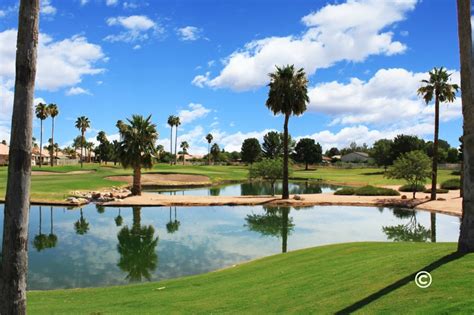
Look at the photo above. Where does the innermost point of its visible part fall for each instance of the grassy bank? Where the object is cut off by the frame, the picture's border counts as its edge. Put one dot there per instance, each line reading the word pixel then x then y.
pixel 365 277
pixel 58 186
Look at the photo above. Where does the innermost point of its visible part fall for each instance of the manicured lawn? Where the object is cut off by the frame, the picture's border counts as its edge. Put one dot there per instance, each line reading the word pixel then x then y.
pixel 57 187
pixel 358 176
pixel 370 277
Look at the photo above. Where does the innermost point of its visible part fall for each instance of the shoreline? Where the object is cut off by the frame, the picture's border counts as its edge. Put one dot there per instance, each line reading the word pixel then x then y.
pixel 452 205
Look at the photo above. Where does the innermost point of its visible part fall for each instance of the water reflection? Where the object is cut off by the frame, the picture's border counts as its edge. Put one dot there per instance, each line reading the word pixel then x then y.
pixel 172 225
pixel 274 222
pixel 255 188
pixel 136 247
pixel 411 231
pixel 81 226
pixel 117 245
pixel 42 241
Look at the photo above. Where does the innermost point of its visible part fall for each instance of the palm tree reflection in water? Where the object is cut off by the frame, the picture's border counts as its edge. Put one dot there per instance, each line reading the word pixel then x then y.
pixel 137 249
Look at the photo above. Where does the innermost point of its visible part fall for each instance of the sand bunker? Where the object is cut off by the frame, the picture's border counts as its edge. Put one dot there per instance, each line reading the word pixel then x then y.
pixel 43 173
pixel 166 179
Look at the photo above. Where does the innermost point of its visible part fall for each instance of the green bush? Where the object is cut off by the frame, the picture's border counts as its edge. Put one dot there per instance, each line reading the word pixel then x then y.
pixel 409 188
pixel 457 173
pixel 375 191
pixel 438 191
pixel 451 184
pixel 346 191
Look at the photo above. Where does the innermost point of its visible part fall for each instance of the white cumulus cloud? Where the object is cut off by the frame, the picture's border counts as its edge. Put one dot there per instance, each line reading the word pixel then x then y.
pixel 137 28
pixel 194 112
pixel 189 33
pixel 349 31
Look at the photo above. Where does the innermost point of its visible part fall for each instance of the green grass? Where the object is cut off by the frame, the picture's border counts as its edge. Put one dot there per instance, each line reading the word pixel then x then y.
pixel 58 187
pixel 377 276
pixel 358 176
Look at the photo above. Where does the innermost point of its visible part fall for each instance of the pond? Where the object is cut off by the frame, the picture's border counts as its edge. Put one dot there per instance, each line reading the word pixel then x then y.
pixel 96 246
pixel 253 188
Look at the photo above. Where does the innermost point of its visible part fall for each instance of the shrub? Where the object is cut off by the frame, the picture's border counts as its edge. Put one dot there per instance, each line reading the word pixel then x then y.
pixel 376 191
pixel 438 191
pixel 457 173
pixel 409 188
pixel 451 184
pixel 346 191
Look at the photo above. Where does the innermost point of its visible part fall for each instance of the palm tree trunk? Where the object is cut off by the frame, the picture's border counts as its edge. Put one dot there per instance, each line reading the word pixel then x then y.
pixel 285 194
pixel 466 235
pixel 284 231
pixel 137 184
pixel 171 145
pixel 176 146
pixel 52 141
pixel 82 148
pixel 433 227
pixel 41 142
pixel 17 200
pixel 40 218
pixel 208 153
pixel 434 171
pixel 51 216
pixel 137 218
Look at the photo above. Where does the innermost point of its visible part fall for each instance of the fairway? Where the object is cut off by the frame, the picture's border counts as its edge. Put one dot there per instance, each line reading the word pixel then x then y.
pixel 58 187
pixel 364 277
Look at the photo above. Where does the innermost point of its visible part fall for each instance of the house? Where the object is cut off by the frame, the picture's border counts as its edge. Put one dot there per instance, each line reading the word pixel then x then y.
pixel 35 156
pixel 4 149
pixel 356 157
pixel 327 160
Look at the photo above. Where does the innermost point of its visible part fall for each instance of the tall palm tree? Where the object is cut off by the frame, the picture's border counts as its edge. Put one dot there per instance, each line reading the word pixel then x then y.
pixel 209 139
pixel 177 122
pixel 288 95
pixel 17 199
pixel 89 147
pixel 171 121
pixel 184 146
pixel 53 112
pixel 42 112
pixel 438 86
pixel 466 235
pixel 82 123
pixel 138 147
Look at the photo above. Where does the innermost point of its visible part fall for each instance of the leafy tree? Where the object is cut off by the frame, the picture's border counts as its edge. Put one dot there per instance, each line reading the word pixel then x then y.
pixel 409 232
pixel 209 139
pixel 288 95
pixel 267 169
pixel 251 150
pixel 42 113
pixel 437 86
pixel 53 112
pixel 308 151
pixel 104 148
pixel 272 146
pixel 184 146
pixel 137 147
pixel 453 155
pixel 332 152
pixel 235 156
pixel 83 123
pixel 413 167
pixel 215 152
pixel 404 144
pixel 382 152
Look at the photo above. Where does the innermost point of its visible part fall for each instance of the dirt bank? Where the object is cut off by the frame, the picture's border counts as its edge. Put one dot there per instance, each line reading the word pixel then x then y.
pixel 43 173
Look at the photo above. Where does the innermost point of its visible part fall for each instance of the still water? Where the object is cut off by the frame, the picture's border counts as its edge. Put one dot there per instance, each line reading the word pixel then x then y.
pixel 255 188
pixel 92 246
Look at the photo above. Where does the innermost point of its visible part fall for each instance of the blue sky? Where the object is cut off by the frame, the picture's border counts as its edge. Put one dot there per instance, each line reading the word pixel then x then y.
pixel 208 62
